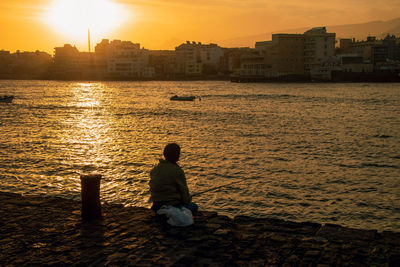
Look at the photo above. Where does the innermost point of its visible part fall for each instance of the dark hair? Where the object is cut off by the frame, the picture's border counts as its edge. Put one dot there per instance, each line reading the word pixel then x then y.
pixel 172 152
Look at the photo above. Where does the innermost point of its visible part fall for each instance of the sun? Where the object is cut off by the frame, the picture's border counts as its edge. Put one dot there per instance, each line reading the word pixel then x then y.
pixel 74 17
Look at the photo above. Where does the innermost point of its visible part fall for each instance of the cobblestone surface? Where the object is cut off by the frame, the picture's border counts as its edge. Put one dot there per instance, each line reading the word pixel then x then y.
pixel 49 231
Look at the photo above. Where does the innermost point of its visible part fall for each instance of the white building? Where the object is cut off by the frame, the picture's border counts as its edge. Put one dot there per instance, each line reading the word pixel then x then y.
pixel 188 60
pixel 211 54
pixel 318 46
pixel 127 59
pixel 192 58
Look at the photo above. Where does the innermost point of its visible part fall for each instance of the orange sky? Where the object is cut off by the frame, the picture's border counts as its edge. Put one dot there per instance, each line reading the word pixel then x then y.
pixel 163 24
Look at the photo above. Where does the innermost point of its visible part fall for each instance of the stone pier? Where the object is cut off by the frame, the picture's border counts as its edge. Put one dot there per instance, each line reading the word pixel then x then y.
pixel 49 231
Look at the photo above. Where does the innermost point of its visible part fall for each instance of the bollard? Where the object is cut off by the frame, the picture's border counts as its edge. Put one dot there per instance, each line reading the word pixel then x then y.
pixel 90 194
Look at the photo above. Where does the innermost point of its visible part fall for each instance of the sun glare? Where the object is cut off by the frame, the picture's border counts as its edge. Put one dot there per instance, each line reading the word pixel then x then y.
pixel 75 17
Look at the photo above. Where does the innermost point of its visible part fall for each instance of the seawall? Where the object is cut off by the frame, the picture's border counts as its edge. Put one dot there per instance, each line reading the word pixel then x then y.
pixel 48 231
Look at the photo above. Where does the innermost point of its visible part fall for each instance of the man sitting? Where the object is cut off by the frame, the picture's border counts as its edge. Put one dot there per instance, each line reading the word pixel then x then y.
pixel 168 182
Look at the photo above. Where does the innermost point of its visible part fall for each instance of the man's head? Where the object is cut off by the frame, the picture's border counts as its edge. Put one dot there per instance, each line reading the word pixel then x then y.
pixel 172 152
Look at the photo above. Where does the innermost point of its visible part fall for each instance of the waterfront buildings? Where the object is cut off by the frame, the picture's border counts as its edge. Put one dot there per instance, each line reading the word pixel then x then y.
pixel 26 65
pixel 313 56
pixel 289 57
pixel 126 60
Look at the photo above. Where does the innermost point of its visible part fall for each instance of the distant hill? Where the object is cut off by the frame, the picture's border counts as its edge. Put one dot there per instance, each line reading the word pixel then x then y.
pixel 359 31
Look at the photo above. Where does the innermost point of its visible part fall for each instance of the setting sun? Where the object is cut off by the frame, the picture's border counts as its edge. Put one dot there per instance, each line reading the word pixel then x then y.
pixel 74 17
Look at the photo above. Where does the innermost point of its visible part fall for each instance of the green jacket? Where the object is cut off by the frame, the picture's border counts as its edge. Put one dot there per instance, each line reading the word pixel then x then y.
pixel 168 184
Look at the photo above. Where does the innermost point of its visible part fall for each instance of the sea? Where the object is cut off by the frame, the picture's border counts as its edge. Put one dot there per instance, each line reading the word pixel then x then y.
pixel 304 152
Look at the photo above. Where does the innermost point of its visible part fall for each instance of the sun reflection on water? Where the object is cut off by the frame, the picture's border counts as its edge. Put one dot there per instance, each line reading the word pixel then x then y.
pixel 93 131
pixel 87 94
pixel 88 129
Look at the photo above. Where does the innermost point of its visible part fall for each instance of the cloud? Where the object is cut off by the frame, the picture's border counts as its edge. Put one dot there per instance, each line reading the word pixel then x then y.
pixel 224 4
pixel 22 9
pixel 306 9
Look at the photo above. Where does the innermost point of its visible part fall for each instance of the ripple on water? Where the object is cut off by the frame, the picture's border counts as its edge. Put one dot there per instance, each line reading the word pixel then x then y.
pixel 315 152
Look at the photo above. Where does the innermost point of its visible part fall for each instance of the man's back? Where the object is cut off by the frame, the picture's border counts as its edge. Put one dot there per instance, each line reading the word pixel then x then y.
pixel 168 184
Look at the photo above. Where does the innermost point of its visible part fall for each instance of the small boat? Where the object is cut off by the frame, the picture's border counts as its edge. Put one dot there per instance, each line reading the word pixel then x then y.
pixel 6 98
pixel 183 98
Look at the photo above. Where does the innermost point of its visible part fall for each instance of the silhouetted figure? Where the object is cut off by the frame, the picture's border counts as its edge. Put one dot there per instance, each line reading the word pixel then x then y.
pixel 168 182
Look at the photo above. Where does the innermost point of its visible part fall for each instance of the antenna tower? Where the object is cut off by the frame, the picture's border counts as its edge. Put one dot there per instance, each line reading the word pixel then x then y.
pixel 89 40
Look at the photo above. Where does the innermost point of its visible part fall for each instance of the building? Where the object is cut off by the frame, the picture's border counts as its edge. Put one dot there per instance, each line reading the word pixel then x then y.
pixel 210 57
pixel 193 59
pixel 345 63
pixel 101 55
pixel 69 63
pixel 283 56
pixel 163 62
pixel 66 61
pixel 231 60
pixel 115 59
pixel 253 65
pixel 318 46
pixel 127 60
pixel 388 50
pixel 24 64
pixel 360 48
pixel 287 54
pixel 5 60
pixel 188 59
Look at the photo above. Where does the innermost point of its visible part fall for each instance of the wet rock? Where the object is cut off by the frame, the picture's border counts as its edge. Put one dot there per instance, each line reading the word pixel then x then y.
pixel 333 231
pixel 391 238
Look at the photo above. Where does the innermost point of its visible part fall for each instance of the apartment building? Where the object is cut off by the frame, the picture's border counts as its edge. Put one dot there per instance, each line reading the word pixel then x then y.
pixel 127 59
pixel 66 60
pixel 188 59
pixel 210 56
pixel 359 48
pixel 231 60
pixel 387 50
pixel 318 46
pixel 163 62
pixel 282 56
pixel 288 54
pixel 195 58
pixel 253 65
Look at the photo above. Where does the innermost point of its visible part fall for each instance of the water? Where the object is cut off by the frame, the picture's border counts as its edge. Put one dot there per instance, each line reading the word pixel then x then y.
pixel 302 152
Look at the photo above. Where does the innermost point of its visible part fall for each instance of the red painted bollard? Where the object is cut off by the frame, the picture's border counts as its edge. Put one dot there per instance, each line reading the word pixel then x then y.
pixel 90 194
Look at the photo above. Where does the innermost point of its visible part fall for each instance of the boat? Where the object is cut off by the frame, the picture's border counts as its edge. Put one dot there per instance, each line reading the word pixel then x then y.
pixel 183 98
pixel 6 98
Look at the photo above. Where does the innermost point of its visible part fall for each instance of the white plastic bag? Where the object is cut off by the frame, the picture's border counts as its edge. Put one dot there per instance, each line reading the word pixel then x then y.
pixel 177 216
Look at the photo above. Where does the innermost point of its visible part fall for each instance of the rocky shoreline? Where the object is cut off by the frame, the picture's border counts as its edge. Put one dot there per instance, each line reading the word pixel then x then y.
pixel 48 231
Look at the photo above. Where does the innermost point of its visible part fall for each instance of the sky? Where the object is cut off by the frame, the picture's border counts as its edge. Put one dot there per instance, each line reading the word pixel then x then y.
pixel 29 25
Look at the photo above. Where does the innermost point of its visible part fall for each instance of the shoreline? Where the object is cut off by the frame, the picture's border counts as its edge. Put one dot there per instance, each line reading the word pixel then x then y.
pixel 345 79
pixel 37 230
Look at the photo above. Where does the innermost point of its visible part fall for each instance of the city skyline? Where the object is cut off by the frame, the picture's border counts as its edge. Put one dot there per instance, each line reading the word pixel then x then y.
pixel 29 25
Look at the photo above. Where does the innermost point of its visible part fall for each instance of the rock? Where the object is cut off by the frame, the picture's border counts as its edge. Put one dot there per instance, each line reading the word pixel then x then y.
pixel 52 233
pixel 337 232
pixel 312 254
